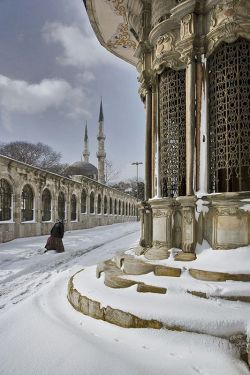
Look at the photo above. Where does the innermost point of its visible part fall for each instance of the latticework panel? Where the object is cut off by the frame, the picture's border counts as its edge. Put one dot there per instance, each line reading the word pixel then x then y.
pixel 229 117
pixel 172 106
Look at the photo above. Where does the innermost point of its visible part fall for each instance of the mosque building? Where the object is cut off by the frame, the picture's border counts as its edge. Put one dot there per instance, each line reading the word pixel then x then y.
pixel 84 167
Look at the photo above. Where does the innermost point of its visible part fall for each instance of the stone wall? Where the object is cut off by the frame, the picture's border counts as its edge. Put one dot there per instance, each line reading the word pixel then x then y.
pixel 18 174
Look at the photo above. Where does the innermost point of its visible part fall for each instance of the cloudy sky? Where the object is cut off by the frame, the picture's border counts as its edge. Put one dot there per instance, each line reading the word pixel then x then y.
pixel 53 72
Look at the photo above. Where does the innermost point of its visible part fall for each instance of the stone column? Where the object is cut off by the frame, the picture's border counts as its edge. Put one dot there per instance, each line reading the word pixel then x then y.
pixel 154 139
pixel 148 145
pixel 190 124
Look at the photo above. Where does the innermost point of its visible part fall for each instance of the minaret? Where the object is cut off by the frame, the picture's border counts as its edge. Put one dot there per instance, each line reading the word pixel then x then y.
pixel 101 154
pixel 86 153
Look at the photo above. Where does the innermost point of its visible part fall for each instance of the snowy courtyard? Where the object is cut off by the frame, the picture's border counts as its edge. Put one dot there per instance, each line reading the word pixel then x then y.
pixel 42 334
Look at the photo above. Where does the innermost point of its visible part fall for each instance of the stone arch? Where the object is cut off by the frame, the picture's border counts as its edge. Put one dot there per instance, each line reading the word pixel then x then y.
pixel 92 202
pixel 110 206
pixel 105 205
pixel 5 200
pixel 27 203
pixel 61 205
pixel 83 201
pixel 229 120
pixel 99 203
pixel 73 207
pixel 46 204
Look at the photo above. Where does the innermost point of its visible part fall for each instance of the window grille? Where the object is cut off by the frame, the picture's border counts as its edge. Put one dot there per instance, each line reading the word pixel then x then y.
pixel 110 206
pixel 172 105
pixel 105 205
pixel 99 204
pixel 5 200
pixel 46 205
pixel 83 202
pixel 229 117
pixel 61 206
pixel 27 203
pixel 92 203
pixel 73 207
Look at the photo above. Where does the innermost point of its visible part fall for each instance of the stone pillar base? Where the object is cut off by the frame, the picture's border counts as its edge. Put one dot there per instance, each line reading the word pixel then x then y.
pixel 157 253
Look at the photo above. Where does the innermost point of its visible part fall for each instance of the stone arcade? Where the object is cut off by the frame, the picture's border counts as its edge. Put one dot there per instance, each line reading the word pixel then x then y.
pixel 31 199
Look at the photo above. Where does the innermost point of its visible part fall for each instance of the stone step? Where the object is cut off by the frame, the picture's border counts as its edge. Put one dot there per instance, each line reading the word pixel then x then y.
pixel 217 276
pixel 121 316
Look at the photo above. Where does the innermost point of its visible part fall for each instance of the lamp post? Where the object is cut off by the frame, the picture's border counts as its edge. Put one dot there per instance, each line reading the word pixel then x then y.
pixel 137 163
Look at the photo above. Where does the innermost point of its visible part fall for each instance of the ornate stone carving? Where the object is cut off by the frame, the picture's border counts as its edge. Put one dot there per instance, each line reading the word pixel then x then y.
pixel 188 217
pixel 227 21
pixel 165 44
pixel 187 26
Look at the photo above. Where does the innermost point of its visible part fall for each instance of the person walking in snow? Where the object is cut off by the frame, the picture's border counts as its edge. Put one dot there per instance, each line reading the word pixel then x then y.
pixel 54 241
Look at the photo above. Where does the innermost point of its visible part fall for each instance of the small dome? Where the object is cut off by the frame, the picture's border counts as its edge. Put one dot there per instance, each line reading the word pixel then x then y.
pixel 81 168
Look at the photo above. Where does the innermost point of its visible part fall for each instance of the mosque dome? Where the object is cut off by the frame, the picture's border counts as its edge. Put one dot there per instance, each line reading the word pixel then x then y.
pixel 82 168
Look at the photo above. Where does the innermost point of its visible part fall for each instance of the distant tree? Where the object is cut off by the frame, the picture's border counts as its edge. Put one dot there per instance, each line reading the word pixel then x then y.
pixel 111 173
pixel 39 155
pixel 130 187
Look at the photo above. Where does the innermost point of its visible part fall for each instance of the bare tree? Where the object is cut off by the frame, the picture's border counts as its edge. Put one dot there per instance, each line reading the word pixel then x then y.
pixel 39 155
pixel 111 173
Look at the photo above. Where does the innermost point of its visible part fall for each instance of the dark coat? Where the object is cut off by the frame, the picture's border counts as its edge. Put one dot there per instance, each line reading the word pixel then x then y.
pixel 57 230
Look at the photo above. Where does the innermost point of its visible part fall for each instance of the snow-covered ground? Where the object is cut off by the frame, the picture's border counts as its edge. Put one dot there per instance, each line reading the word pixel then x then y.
pixel 41 334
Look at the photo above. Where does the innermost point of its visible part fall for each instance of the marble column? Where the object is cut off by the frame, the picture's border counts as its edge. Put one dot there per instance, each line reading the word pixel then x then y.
pixel 190 125
pixel 148 145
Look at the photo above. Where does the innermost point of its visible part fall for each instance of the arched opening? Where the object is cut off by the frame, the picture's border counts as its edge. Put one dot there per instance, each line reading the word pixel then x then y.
pixel 73 207
pixel 83 202
pixel 172 103
pixel 110 206
pixel 119 208
pixel 229 117
pixel 115 208
pixel 99 204
pixel 5 200
pixel 46 205
pixel 61 206
pixel 105 205
pixel 92 203
pixel 27 204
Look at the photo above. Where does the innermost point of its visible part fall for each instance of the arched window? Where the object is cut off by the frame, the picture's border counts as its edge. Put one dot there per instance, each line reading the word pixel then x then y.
pixel 115 208
pixel 99 204
pixel 83 202
pixel 119 208
pixel 126 210
pixel 172 129
pixel 61 206
pixel 105 205
pixel 27 203
pixel 73 207
pixel 229 125
pixel 46 205
pixel 92 203
pixel 5 200
pixel 110 206
pixel 123 208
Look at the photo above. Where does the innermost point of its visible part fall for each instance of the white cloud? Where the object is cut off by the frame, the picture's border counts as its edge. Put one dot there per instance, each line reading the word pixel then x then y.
pixel 18 96
pixel 80 47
